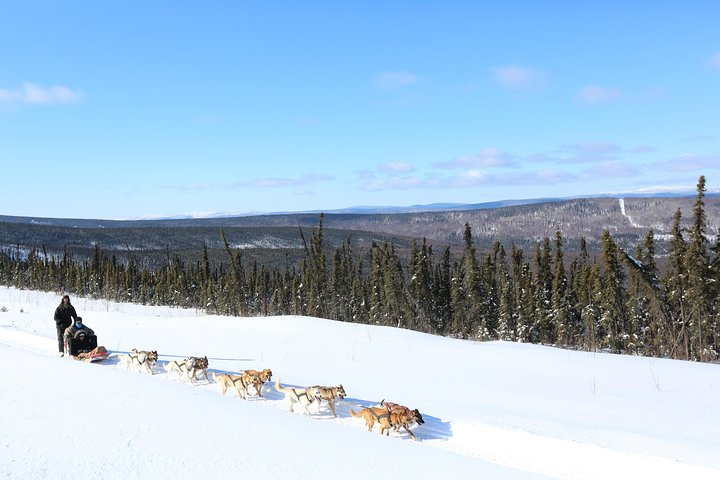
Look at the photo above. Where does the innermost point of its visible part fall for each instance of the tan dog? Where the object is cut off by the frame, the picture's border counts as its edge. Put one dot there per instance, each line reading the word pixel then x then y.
pixel 373 415
pixel 293 396
pixel 257 379
pixel 227 380
pixel 329 394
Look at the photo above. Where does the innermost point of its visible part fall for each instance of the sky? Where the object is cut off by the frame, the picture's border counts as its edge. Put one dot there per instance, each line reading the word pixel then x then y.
pixel 494 410
pixel 142 109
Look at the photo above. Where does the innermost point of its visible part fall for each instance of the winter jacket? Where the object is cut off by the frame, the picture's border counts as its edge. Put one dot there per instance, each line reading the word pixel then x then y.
pixel 65 314
pixel 72 330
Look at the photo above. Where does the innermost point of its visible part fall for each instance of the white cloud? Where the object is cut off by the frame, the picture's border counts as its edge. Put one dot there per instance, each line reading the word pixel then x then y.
pixel 396 167
pixel 690 162
pixel 33 94
pixel 516 77
pixel 273 182
pixel 486 158
pixel 596 94
pixel 392 80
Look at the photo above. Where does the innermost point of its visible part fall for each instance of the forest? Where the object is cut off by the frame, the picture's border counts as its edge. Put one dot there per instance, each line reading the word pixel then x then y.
pixel 615 300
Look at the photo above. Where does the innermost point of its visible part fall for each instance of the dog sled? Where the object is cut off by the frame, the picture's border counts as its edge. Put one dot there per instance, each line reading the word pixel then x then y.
pixel 85 348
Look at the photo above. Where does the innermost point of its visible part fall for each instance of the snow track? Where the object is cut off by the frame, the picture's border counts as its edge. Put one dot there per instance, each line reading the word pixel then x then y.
pixel 506 419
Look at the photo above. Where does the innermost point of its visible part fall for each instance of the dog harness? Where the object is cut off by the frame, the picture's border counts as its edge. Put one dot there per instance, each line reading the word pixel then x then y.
pixel 303 394
pixel 238 379
pixel 138 357
pixel 384 415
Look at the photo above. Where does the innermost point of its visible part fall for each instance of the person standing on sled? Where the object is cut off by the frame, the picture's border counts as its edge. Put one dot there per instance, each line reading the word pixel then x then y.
pixel 64 316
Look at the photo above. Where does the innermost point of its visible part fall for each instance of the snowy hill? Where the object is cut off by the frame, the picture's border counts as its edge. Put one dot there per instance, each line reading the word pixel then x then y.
pixel 492 410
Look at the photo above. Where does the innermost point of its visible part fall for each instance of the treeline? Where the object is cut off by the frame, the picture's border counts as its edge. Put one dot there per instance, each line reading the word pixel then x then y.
pixel 620 302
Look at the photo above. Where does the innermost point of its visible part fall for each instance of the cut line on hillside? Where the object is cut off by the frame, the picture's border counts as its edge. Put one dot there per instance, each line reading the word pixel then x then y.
pixel 625 214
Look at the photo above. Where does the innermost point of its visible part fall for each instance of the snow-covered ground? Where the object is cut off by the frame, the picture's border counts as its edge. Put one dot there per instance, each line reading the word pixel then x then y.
pixel 493 410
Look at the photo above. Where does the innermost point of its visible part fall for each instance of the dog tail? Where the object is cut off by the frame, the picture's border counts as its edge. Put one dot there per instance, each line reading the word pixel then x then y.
pixel 355 414
pixel 279 387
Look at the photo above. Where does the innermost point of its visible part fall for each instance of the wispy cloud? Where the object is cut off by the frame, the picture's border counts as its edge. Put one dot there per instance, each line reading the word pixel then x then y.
pixel 517 77
pixel 689 162
pixel 486 158
pixel 583 152
pixel 597 94
pixel 697 138
pixel 642 149
pixel 471 179
pixel 613 168
pixel 33 94
pixel 595 148
pixel 393 80
pixel 394 168
pixel 714 61
pixel 274 182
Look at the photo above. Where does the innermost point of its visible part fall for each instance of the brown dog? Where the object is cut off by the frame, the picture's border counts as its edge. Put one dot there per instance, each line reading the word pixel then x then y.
pixel 373 415
pixel 257 379
pixel 406 419
pixel 414 414
pixel 329 394
pixel 227 380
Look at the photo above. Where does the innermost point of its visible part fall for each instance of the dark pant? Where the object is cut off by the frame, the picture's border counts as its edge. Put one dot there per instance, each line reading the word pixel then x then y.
pixel 61 326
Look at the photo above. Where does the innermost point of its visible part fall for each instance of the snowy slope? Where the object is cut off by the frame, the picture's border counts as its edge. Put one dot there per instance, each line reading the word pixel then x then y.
pixel 495 409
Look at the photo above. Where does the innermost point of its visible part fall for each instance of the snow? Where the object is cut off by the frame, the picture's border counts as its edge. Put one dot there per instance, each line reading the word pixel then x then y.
pixel 624 214
pixel 493 410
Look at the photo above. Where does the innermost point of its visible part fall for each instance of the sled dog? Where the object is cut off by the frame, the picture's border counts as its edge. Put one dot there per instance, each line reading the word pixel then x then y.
pixel 329 394
pixel 190 366
pixel 227 380
pixel 179 366
pixel 141 359
pixel 373 415
pixel 195 365
pixel 402 416
pixel 301 396
pixel 257 379
pixel 413 415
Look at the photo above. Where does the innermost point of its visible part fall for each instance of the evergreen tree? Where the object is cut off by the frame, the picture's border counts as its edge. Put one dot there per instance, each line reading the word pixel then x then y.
pixel 614 315
pixel 698 293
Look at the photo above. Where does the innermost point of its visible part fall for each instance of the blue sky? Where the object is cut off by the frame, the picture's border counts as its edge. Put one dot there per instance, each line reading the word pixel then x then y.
pixel 156 108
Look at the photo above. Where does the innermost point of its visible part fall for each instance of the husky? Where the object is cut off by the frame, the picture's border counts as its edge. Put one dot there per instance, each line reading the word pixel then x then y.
pixel 227 380
pixel 141 359
pixel 190 367
pixel 301 396
pixel 257 379
pixel 329 394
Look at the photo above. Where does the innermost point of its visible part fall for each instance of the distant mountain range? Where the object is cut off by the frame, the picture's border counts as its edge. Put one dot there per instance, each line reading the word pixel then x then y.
pixel 356 210
pixel 280 237
pixel 434 207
